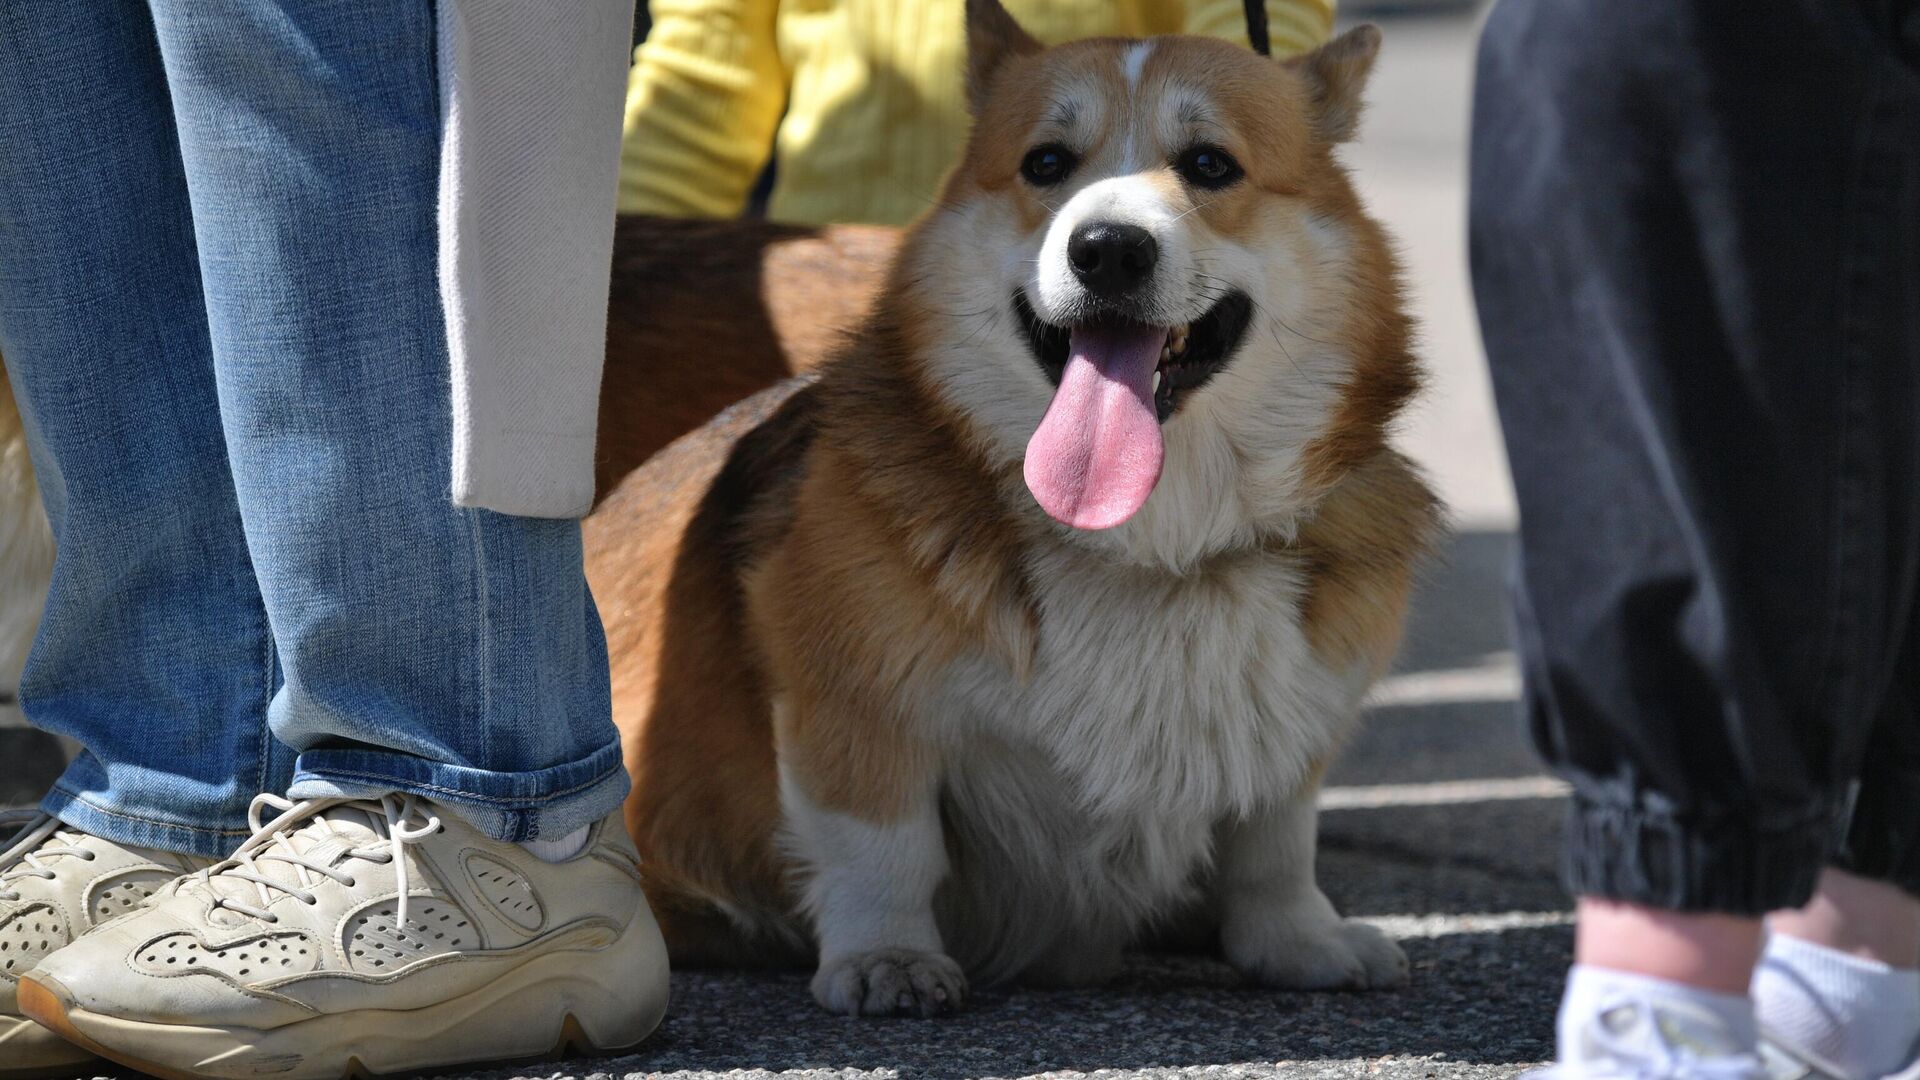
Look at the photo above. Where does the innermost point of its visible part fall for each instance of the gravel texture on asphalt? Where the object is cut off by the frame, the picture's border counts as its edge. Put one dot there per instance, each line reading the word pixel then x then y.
pixel 1481 1005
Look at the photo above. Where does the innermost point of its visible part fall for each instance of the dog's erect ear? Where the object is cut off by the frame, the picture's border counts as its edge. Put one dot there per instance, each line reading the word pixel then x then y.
pixel 992 39
pixel 1336 74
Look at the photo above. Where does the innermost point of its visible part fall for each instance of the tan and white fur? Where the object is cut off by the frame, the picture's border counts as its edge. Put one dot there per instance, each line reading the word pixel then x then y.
pixel 885 715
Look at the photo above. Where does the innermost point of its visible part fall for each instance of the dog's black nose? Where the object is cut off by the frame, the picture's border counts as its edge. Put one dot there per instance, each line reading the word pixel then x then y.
pixel 1112 259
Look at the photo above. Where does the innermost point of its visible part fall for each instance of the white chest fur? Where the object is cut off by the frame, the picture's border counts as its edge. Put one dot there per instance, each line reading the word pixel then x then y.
pixel 1160 693
pixel 1085 802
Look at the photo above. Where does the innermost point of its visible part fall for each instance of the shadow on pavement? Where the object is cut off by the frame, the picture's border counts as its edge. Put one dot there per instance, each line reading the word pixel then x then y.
pixel 1423 744
pixel 30 761
pixel 1445 860
pixel 1459 616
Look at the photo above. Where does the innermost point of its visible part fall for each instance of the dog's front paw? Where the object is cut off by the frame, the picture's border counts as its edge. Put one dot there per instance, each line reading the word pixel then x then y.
pixel 890 982
pixel 1314 954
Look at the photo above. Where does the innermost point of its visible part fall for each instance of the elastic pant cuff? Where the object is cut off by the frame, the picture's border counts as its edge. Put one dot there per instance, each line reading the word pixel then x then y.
pixel 1638 855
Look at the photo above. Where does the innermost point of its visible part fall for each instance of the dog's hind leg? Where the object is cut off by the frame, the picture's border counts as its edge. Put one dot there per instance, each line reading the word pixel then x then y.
pixel 1276 925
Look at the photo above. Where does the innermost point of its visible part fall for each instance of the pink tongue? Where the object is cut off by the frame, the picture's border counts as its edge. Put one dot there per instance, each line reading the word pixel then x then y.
pixel 1097 454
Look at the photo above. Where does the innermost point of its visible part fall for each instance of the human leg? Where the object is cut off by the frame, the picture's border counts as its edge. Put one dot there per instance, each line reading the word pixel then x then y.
pixel 448 652
pixel 154 651
pixel 445 678
pixel 1714 465
pixel 1711 441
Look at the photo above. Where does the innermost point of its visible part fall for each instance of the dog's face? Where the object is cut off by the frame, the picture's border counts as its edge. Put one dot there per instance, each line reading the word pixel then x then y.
pixel 1143 279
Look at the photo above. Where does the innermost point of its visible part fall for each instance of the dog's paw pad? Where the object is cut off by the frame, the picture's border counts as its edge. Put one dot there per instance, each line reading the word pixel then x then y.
pixel 890 982
pixel 1340 955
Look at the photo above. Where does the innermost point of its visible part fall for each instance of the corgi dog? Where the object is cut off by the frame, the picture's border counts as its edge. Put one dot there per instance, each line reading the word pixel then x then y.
pixel 1026 629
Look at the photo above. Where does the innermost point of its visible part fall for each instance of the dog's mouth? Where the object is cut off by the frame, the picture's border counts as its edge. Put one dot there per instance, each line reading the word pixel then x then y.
pixel 1097 453
pixel 1189 356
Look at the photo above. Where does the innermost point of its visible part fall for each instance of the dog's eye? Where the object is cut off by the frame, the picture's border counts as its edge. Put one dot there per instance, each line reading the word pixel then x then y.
pixel 1208 167
pixel 1047 165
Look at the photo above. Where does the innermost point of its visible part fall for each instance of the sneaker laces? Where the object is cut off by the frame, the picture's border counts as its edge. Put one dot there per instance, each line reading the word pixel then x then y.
pixel 22 859
pixel 300 831
pixel 1656 1049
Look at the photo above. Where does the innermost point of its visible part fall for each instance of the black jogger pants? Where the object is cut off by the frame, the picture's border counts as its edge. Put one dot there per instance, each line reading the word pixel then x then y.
pixel 1696 250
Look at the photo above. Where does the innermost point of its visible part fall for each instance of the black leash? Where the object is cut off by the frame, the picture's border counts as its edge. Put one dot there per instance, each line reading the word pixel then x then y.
pixel 1257 27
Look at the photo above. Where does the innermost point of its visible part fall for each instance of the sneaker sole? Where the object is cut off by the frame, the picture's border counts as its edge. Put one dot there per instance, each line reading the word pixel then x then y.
pixel 489 1025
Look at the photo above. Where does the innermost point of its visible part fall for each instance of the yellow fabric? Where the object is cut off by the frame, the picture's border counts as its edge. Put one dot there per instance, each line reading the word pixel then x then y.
pixel 862 100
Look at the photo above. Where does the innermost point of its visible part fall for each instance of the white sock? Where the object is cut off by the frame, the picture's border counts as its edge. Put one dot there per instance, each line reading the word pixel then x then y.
pixel 560 848
pixel 1858 1016
pixel 1601 1018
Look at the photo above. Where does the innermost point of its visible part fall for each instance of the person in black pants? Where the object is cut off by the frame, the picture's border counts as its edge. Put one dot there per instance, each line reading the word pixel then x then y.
pixel 1696 250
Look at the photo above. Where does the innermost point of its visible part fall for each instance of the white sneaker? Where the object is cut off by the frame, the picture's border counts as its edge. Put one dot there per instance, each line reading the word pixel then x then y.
pixel 376 936
pixel 57 883
pixel 1638 1039
pixel 1786 1062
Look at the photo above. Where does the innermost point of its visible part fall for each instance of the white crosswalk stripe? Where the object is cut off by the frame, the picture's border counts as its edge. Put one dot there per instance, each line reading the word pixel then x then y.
pixel 1433 926
pixel 1442 793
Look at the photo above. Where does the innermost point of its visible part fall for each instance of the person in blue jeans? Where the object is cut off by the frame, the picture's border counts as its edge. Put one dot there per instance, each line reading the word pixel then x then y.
pixel 1696 250
pixel 303 305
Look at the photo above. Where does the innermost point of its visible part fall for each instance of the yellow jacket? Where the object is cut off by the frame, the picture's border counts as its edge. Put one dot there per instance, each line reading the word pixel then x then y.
pixel 861 101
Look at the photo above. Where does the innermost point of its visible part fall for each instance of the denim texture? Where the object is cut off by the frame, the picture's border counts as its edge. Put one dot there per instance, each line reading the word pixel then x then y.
pixel 1695 237
pixel 219 309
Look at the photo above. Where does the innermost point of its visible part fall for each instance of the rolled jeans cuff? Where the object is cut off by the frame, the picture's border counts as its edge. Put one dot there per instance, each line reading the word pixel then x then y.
pixel 85 800
pixel 510 806
pixel 1727 865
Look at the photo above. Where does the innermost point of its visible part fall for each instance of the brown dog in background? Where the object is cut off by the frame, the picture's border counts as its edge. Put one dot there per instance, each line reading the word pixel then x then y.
pixel 706 313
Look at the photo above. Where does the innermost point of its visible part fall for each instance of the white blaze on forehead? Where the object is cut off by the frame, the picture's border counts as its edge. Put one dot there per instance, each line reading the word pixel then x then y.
pixel 1134 61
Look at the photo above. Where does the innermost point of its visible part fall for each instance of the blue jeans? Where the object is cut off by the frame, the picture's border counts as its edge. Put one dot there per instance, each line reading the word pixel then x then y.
pixel 1696 249
pixel 219 309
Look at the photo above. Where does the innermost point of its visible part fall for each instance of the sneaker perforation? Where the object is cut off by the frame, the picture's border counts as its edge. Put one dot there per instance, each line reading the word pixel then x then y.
pixel 238 959
pixel 507 890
